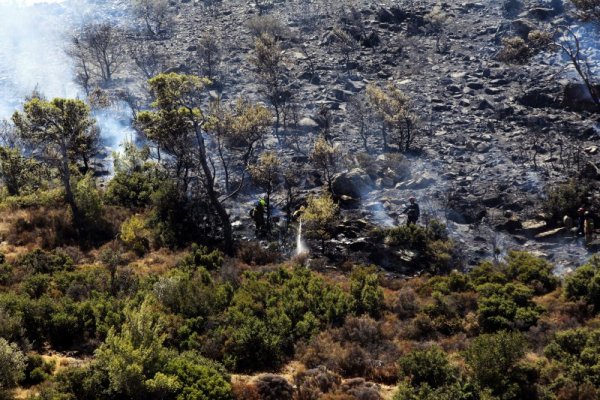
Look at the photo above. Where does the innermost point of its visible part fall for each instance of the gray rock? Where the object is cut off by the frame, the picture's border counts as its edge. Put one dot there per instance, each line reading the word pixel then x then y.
pixel 354 183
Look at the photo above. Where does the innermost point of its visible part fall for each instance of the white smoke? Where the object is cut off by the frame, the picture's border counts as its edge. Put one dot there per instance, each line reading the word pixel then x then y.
pixel 33 38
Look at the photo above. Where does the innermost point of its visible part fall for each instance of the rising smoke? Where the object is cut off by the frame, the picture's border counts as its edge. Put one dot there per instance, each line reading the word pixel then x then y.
pixel 33 37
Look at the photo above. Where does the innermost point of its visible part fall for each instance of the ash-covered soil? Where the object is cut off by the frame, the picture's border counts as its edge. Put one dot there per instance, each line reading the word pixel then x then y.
pixel 493 137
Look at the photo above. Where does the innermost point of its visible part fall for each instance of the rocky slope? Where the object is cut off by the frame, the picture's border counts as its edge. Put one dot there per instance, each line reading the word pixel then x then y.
pixel 493 137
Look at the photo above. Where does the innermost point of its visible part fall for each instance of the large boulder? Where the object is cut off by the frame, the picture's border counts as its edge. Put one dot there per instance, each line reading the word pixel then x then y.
pixel 355 183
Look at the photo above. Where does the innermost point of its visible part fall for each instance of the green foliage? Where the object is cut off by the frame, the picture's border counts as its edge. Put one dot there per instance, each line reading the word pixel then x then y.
pixel 365 291
pixel 130 357
pixel 37 369
pixel 177 220
pixel 495 360
pixel 455 391
pixel 199 378
pixel 565 199
pixel 577 352
pixel 19 173
pixel 428 366
pixel 535 272
pixel 201 256
pixel 88 200
pixel 584 284
pixel 134 234
pixel 135 179
pixel 192 294
pixel 44 262
pixel 507 306
pixel 268 315
pixel 62 130
pixel 12 365
pixel 319 218
pixel 432 249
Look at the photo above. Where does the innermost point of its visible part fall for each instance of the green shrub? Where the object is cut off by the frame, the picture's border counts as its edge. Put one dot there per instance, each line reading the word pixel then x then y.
pixel 432 249
pixel 269 314
pixel 565 199
pixel 134 235
pixel 200 378
pixel 577 351
pixel 201 256
pixel 43 262
pixel 88 200
pixel 365 291
pixel 509 306
pixel 12 365
pixel 428 366
pixel 535 272
pixel 584 284
pixel 495 360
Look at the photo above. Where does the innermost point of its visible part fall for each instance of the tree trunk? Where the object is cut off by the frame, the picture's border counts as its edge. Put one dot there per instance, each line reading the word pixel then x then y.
pixel 69 196
pixel 212 195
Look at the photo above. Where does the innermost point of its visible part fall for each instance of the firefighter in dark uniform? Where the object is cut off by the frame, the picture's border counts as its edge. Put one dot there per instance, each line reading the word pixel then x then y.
pixel 412 212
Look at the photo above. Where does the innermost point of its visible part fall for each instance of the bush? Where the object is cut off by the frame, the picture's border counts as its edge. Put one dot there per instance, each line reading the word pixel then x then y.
pixel 88 200
pixel 577 351
pixel 502 307
pixel 266 316
pixel 274 387
pixel 432 249
pixel 535 272
pixel 495 362
pixel 312 384
pixel 12 365
pixel 135 179
pixel 584 284
pixel 200 378
pixel 37 369
pixel 365 291
pixel 266 25
pixel 201 256
pixel 134 235
pixel 43 262
pixel 565 199
pixel 405 304
pixel 514 51
pixel 429 366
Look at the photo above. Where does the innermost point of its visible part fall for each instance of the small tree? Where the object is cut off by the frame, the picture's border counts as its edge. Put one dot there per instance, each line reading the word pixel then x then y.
pixel 148 57
pixel 393 109
pixel 361 115
pixel 494 361
pixel 344 44
pixel 325 157
pixel 178 122
pixel 154 13
pixel 266 173
pixel 56 128
pixel 12 365
pixel 209 53
pixel 436 23
pixel 236 132
pixel 111 258
pixel 101 47
pixel 268 60
pixel 18 171
pixel 319 217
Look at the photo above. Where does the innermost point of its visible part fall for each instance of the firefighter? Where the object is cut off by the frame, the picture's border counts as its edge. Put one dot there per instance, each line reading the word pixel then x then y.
pixel 258 215
pixel 412 212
